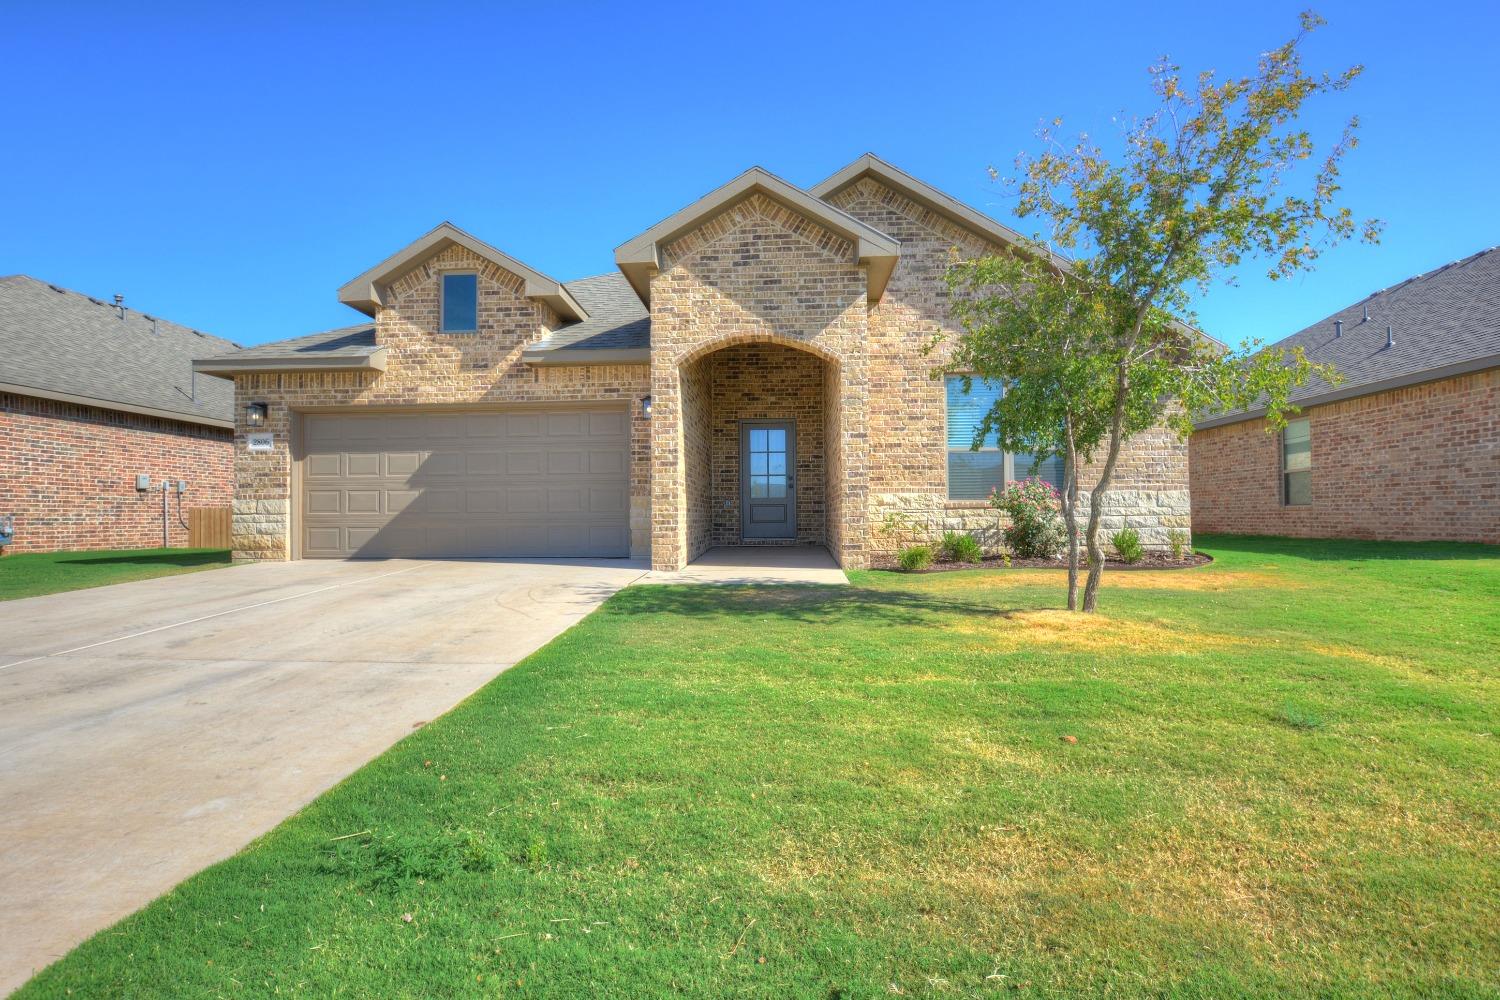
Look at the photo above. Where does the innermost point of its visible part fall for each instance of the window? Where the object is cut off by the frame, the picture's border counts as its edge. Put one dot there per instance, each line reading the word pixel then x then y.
pixel 460 303
pixel 1296 463
pixel 972 475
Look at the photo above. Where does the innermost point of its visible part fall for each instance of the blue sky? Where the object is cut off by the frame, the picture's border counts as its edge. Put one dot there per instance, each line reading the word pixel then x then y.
pixel 229 166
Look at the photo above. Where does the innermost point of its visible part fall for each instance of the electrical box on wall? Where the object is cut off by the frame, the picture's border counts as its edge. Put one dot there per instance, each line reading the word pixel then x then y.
pixel 143 482
pixel 182 486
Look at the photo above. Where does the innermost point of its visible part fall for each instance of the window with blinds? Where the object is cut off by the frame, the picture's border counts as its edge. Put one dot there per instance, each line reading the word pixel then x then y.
pixel 1296 463
pixel 973 475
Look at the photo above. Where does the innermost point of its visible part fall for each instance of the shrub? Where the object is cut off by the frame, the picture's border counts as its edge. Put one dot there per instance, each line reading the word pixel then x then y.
pixel 1036 530
pixel 915 557
pixel 958 547
pixel 1177 538
pixel 1127 543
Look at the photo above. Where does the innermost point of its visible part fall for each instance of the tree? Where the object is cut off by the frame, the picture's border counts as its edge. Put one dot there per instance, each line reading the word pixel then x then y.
pixel 1080 326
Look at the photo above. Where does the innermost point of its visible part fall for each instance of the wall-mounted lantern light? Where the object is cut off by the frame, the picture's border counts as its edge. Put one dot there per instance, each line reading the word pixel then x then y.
pixel 256 413
pixel 646 407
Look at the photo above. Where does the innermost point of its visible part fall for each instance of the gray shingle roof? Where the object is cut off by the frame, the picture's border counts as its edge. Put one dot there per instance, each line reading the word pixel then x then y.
pixel 618 320
pixel 356 341
pixel 59 342
pixel 1442 321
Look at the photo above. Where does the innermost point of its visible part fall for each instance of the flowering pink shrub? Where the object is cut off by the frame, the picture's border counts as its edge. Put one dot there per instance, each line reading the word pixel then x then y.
pixel 1034 506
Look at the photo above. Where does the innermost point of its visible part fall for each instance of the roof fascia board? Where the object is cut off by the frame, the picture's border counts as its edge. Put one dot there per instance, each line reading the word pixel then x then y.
pixel 637 257
pixel 367 291
pixel 600 356
pixel 230 366
pixel 110 404
pixel 1364 389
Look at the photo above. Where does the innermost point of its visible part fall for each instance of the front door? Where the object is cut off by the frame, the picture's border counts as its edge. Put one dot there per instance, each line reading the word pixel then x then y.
pixel 768 484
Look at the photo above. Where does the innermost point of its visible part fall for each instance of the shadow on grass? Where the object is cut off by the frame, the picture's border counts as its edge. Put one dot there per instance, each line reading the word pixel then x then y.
pixel 1345 549
pixel 820 605
pixel 146 557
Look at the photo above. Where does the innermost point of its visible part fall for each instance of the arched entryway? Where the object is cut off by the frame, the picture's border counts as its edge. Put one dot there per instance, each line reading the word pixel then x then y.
pixel 753 452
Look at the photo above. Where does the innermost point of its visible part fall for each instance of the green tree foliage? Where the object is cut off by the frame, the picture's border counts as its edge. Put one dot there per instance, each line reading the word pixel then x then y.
pixel 1081 325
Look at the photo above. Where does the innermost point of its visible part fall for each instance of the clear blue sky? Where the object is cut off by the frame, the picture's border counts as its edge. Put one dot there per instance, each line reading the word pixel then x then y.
pixel 229 166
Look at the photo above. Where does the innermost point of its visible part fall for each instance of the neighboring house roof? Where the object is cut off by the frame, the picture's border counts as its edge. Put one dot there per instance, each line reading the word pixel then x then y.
pixel 879 252
pixel 1442 323
pixel 617 331
pixel 349 348
pixel 366 292
pixel 63 345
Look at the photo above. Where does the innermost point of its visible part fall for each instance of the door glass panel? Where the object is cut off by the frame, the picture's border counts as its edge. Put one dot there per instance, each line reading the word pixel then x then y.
pixel 778 464
pixel 777 441
pixel 759 464
pixel 757 440
pixel 758 487
pixel 776 489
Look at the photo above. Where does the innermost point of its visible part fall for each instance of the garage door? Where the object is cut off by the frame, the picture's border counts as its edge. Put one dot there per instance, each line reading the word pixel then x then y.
pixel 544 482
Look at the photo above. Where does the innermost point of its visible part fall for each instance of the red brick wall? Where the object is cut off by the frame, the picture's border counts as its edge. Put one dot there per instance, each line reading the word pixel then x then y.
pixel 67 473
pixel 1421 462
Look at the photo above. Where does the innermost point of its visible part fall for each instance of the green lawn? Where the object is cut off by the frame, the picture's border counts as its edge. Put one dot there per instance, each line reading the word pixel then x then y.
pixel 34 573
pixel 1284 783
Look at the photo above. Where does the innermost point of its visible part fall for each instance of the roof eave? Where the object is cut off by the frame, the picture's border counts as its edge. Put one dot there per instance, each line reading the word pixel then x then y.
pixel 111 404
pixel 228 367
pixel 1363 389
pixel 588 356
pixel 639 257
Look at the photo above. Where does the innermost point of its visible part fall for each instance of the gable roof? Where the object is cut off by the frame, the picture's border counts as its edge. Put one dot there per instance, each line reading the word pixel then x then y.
pixel 366 292
pixel 637 257
pixel 964 216
pixel 63 345
pixel 1443 322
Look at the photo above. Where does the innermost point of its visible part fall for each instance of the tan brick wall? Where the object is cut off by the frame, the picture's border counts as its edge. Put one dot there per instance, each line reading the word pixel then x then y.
pixel 756 273
pixel 428 368
pixel 69 475
pixel 908 408
pixel 1421 462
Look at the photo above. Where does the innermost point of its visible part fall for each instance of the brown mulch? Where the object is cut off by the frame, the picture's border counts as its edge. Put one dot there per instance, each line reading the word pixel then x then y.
pixel 1151 560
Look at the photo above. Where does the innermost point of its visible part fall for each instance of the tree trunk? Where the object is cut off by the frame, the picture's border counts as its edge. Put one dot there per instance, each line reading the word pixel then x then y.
pixel 1070 520
pixel 1096 498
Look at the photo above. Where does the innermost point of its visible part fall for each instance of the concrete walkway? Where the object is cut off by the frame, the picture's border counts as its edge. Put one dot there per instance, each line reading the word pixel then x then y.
pixel 150 729
pixel 750 564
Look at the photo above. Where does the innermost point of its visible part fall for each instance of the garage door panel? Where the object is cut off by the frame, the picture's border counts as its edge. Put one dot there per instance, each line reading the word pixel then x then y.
pixel 523 463
pixel 482 463
pixel 402 463
pixel 361 464
pixel 441 463
pixel 548 482
pixel 565 463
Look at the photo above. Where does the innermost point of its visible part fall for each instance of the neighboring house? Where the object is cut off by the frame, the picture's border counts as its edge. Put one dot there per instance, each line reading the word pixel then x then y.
pixel 91 396
pixel 755 373
pixel 1406 447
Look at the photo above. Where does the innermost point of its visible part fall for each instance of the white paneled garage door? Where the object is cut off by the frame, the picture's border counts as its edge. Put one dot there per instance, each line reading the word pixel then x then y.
pixel 444 484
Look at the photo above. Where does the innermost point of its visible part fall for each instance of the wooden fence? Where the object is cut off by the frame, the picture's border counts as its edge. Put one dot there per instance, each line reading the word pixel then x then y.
pixel 208 527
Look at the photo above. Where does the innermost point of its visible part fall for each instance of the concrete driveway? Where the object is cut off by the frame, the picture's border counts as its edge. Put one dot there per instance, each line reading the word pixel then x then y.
pixel 150 729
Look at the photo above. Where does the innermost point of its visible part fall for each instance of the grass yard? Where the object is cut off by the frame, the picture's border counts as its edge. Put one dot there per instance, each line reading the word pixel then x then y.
pixel 32 574
pixel 1284 782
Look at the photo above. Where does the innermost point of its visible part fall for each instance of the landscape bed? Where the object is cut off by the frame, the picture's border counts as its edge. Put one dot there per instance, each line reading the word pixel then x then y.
pixel 1272 776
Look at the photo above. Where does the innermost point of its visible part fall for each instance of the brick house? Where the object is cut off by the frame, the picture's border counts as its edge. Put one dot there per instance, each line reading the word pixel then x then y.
pixel 1407 447
pixel 92 395
pixel 754 373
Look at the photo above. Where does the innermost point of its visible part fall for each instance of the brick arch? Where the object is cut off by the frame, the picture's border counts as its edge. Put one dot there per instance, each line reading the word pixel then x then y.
pixel 702 350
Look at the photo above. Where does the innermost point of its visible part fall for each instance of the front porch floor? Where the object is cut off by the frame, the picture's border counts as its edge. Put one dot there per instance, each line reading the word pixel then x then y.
pixel 752 564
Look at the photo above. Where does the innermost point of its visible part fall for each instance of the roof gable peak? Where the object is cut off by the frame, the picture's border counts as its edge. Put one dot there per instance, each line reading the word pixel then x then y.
pixel 367 291
pixel 637 258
